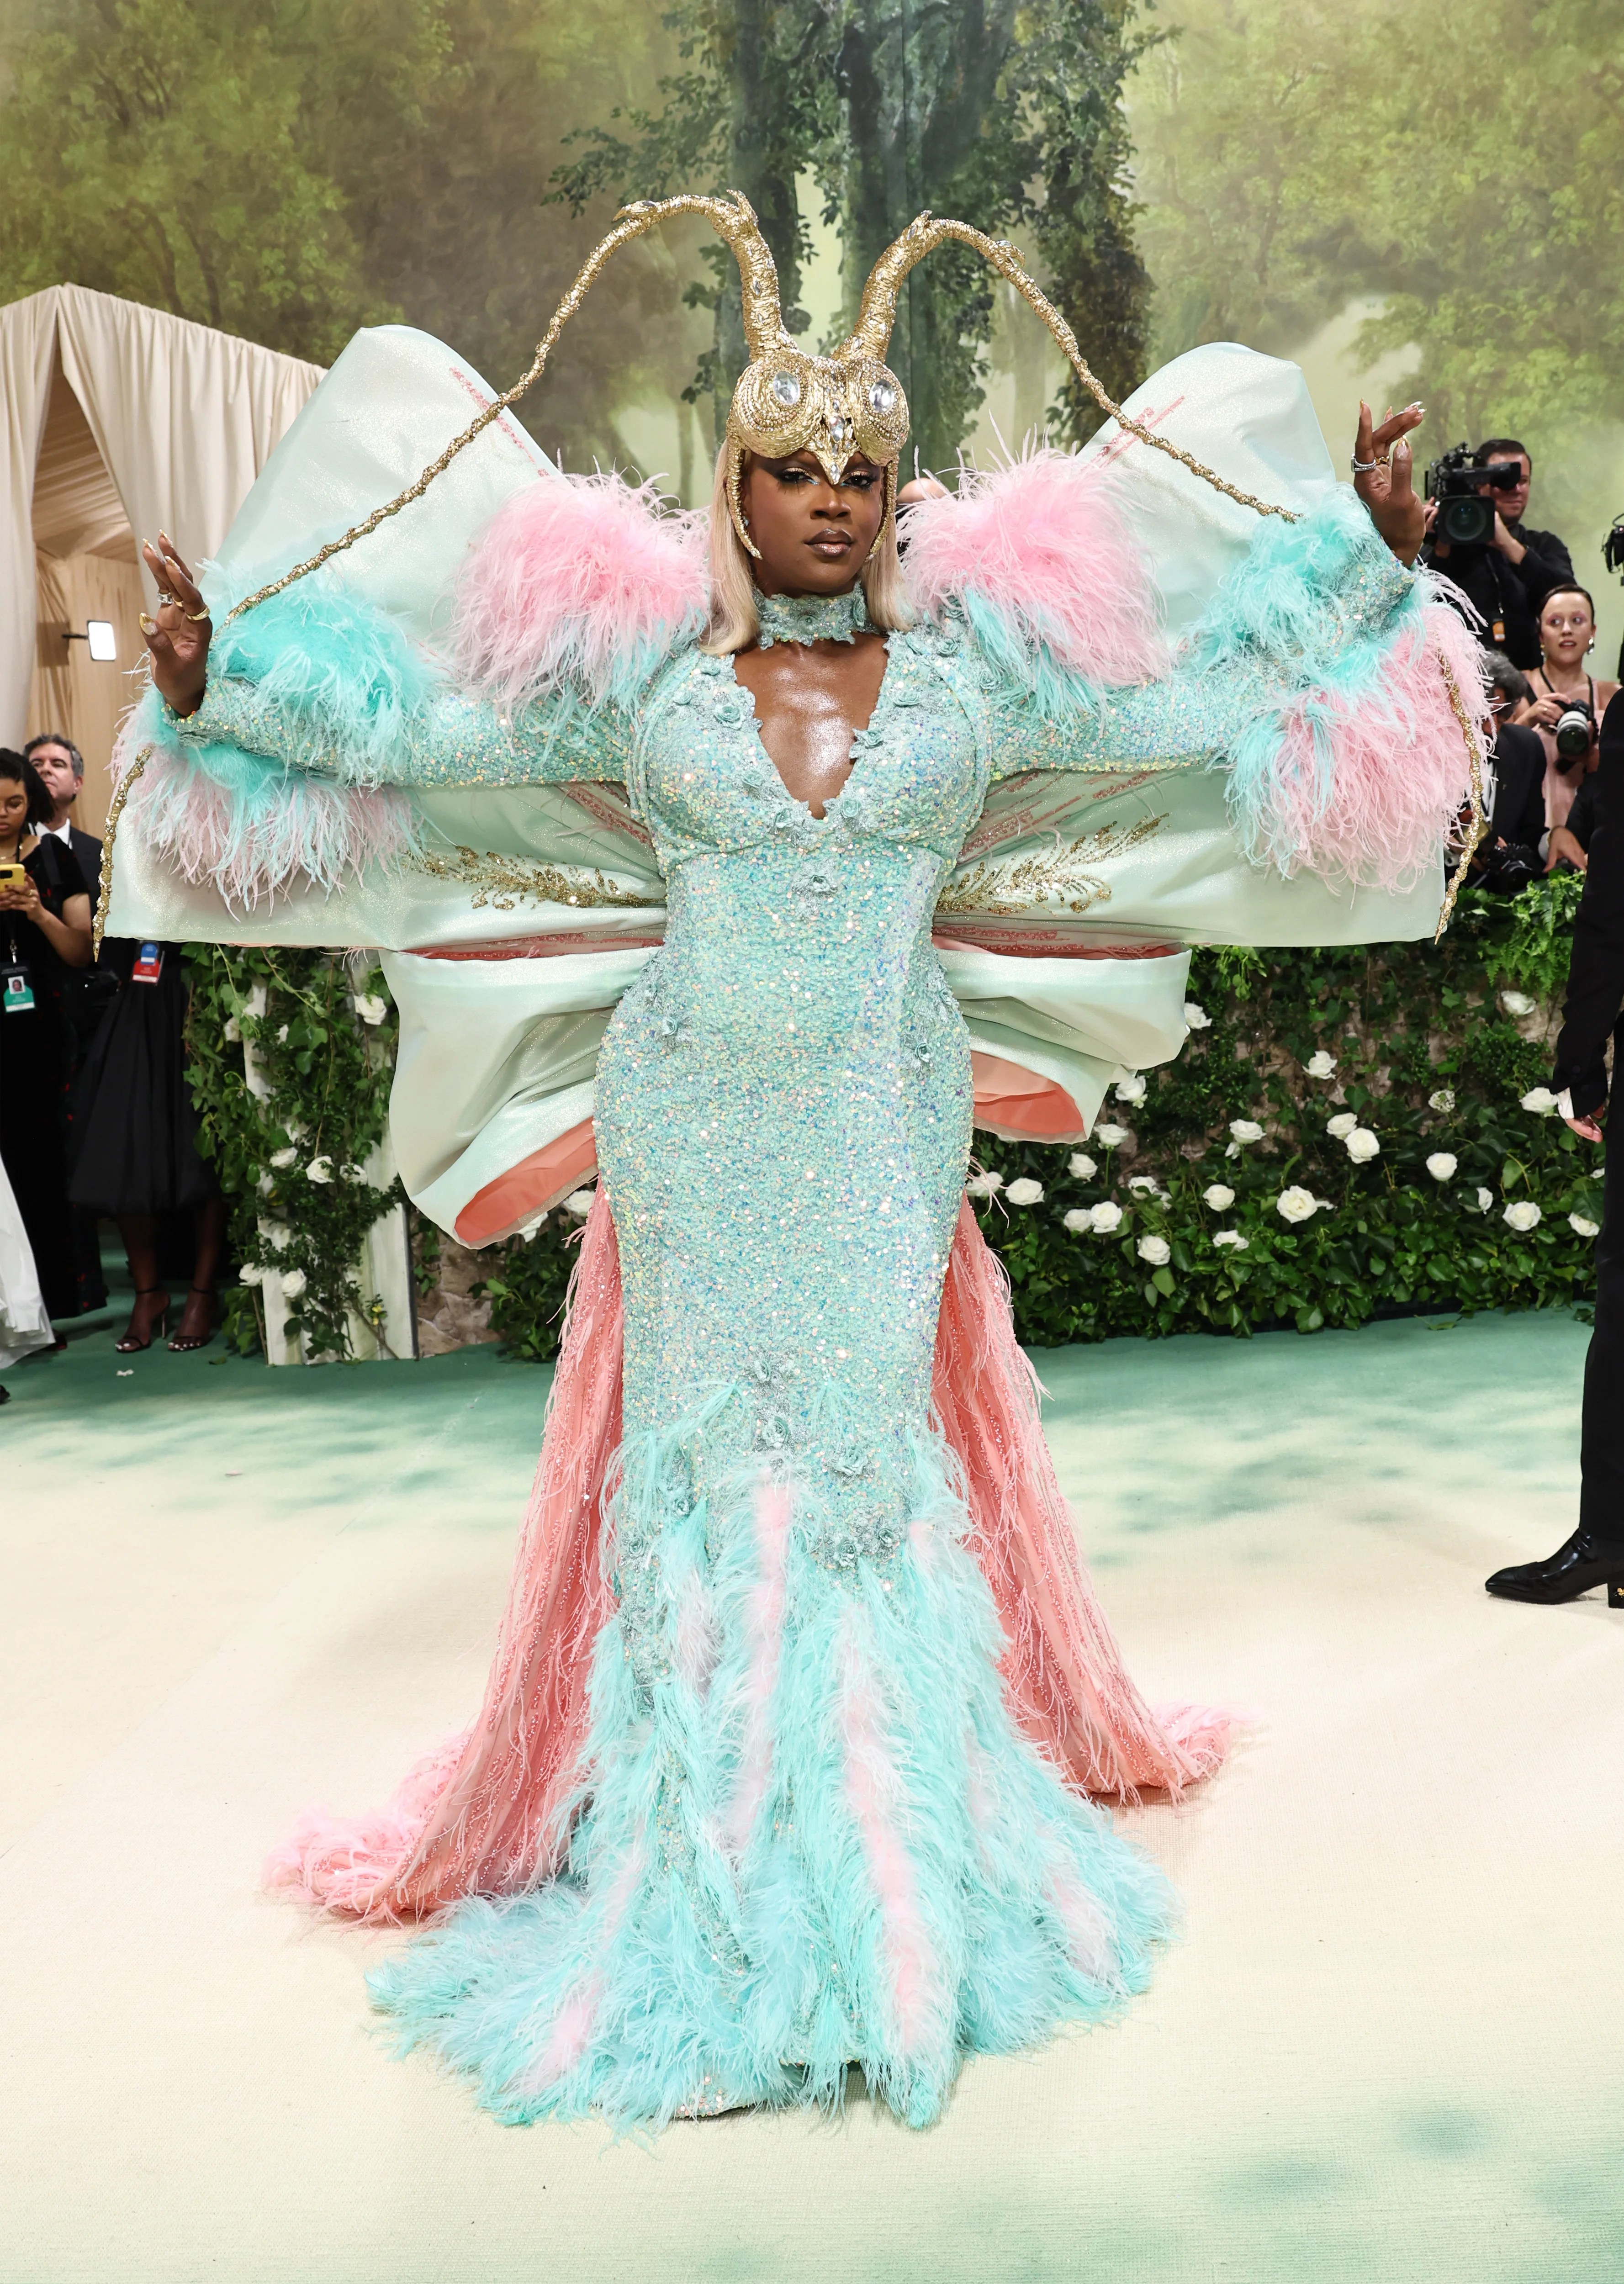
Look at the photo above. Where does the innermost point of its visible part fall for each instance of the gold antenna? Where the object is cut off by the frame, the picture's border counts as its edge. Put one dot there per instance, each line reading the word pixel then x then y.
pixel 732 218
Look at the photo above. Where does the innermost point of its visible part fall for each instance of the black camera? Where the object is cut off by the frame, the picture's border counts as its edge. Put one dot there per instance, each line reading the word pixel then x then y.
pixel 1574 732
pixel 1507 867
pixel 1465 518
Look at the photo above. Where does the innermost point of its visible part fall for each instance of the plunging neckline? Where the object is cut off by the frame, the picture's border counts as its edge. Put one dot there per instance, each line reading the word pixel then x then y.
pixel 853 751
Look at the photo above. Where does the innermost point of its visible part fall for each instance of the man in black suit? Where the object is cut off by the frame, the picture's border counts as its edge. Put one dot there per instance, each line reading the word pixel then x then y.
pixel 1594 1556
pixel 61 765
pixel 1516 819
pixel 90 991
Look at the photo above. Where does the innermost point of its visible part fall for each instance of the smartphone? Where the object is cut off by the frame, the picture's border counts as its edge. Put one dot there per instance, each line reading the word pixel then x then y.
pixel 12 876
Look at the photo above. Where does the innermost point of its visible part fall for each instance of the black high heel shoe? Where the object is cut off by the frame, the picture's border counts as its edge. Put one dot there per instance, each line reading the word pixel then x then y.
pixel 129 1345
pixel 183 1342
pixel 1574 1569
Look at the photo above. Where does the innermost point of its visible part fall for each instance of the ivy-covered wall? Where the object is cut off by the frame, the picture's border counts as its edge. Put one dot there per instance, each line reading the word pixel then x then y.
pixel 291 1055
pixel 1346 1133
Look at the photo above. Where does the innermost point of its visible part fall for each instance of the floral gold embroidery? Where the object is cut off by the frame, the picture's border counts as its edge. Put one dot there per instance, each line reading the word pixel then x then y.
pixel 500 883
pixel 1049 876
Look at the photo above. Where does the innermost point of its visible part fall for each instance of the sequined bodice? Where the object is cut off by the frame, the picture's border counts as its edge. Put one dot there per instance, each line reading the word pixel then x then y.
pixel 706 786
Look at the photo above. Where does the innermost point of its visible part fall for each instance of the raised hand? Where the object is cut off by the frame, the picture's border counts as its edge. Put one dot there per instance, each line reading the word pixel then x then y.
pixel 1382 479
pixel 177 639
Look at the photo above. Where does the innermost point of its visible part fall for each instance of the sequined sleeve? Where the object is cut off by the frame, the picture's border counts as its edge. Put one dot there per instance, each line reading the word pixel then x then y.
pixel 1184 721
pixel 448 740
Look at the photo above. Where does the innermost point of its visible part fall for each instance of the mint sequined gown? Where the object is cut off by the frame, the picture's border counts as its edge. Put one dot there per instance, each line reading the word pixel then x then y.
pixel 808 1832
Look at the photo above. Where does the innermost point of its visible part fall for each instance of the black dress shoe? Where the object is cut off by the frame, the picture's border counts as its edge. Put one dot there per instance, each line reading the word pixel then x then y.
pixel 1585 1561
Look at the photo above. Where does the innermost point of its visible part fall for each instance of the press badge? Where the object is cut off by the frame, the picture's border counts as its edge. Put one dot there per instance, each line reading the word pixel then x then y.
pixel 149 964
pixel 16 989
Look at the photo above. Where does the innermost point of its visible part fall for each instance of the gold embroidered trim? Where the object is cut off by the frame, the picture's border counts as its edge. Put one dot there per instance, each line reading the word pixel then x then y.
pixel 1478 823
pixel 500 883
pixel 1006 885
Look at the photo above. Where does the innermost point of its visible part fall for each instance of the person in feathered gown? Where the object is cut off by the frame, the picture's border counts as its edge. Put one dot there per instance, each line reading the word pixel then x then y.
pixel 785 1760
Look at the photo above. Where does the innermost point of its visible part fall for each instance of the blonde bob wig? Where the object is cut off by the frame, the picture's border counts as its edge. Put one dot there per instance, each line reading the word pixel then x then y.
pixel 734 622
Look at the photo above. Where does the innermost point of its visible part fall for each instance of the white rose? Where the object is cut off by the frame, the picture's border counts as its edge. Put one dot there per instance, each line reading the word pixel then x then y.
pixel 1105 1217
pixel 1343 1124
pixel 1231 1150
pixel 233 1029
pixel 282 1035
pixel 1025 1192
pixel 983 1185
pixel 1296 1204
pixel 1444 1099
pixel 1219 1196
pixel 1156 1250
pixel 1130 1090
pixel 1320 1065
pixel 1082 1166
pixel 1540 1102
pixel 1522 1215
pixel 1583 1227
pixel 1080 1218
pixel 1486 1198
pixel 1441 1165
pixel 253 1274
pixel 579 1202
pixel 1231 1237
pixel 295 1131
pixel 1142 1183
pixel 1196 1018
pixel 281 1158
pixel 372 1007
pixel 1245 1129
pixel 1362 1146
pixel 1110 1137
pixel 319 1170
pixel 293 1282
pixel 1516 1003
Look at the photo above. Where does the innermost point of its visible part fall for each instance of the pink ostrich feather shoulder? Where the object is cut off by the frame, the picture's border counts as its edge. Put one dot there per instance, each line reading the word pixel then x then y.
pixel 1039 556
pixel 582 579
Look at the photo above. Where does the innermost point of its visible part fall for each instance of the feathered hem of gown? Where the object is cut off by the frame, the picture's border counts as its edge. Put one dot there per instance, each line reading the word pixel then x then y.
pixel 784 1817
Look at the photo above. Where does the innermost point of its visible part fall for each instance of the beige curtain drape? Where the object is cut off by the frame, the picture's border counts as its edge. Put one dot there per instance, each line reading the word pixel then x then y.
pixel 183 418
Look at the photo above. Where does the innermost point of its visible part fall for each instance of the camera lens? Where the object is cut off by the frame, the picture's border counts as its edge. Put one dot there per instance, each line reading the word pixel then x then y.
pixel 1574 732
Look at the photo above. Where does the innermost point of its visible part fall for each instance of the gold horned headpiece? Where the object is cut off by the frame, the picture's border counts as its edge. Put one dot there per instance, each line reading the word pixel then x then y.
pixel 786 401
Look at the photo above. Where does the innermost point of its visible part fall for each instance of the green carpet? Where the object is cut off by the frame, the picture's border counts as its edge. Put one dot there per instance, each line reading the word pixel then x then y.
pixel 1386 2047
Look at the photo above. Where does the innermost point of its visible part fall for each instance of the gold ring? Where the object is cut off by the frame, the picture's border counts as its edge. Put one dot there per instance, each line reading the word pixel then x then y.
pixel 196 618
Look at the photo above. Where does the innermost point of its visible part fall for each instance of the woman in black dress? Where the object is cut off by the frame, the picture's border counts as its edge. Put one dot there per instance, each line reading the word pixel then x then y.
pixel 44 934
pixel 138 1156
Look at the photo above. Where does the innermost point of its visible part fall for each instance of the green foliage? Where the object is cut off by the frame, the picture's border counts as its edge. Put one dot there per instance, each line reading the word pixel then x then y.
pixel 292 1088
pixel 1423 1060
pixel 1460 163
pixel 289 173
pixel 528 1285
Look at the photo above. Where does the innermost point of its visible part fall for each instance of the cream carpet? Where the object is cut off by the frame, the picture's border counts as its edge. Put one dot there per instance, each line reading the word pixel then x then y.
pixel 1389 2045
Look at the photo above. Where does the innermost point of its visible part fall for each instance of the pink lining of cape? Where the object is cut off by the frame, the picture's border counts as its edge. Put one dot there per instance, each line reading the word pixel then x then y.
pixel 486 1814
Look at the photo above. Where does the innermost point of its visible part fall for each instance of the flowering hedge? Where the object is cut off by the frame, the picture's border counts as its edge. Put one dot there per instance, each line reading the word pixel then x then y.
pixel 1346 1133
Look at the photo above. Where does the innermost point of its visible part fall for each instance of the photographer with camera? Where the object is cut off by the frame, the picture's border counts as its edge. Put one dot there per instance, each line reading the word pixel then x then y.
pixel 1567 702
pixel 1508 857
pixel 1476 538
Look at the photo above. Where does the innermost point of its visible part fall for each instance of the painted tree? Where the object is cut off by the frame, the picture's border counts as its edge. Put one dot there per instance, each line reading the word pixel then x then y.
pixel 1008 116
pixel 289 174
